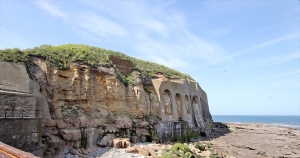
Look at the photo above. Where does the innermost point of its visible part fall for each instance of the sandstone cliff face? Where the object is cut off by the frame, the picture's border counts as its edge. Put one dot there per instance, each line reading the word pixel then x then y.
pixel 96 91
pixel 85 106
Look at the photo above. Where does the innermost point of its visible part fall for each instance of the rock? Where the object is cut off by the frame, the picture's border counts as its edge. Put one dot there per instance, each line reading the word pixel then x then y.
pixel 84 151
pixel 143 124
pixel 92 149
pixel 117 143
pixel 134 139
pixel 74 151
pixel 106 140
pixel 131 150
pixel 51 123
pixel 151 151
pixel 126 143
pixel 127 125
pixel 143 138
pixel 142 151
pixel 61 124
pixel 68 135
pixel 92 135
pixel 76 134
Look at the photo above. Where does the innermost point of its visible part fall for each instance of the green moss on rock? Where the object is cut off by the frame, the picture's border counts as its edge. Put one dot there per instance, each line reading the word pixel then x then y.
pixel 64 55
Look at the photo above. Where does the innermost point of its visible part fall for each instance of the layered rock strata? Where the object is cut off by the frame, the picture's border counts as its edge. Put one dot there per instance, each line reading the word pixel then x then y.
pixel 86 106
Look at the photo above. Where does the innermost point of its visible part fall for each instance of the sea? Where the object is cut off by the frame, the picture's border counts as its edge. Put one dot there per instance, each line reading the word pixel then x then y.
pixel 275 120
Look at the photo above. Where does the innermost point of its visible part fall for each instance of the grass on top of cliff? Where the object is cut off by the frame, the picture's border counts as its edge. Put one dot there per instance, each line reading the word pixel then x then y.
pixel 62 56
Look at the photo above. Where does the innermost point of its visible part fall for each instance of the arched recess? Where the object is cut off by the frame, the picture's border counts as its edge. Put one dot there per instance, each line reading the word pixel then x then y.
pixel 167 102
pixel 197 111
pixel 195 99
pixel 203 108
pixel 178 105
pixel 187 104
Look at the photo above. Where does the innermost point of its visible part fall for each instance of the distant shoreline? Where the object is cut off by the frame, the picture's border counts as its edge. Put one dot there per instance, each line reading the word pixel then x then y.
pixel 265 124
pixel 291 121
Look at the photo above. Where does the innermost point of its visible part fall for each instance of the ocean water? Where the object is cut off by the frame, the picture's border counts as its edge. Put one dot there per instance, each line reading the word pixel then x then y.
pixel 287 121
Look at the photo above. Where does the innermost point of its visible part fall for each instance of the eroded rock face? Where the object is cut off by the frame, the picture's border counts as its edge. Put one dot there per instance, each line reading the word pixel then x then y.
pixel 95 91
pixel 86 106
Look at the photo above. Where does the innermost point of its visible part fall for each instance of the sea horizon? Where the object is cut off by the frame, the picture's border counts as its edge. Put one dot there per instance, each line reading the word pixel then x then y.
pixel 292 121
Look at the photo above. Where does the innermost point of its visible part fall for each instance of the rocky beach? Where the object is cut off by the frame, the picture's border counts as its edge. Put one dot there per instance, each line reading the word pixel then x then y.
pixel 226 140
pixel 256 140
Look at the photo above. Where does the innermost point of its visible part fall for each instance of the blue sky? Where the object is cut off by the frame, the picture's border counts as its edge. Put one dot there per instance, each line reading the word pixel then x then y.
pixel 244 54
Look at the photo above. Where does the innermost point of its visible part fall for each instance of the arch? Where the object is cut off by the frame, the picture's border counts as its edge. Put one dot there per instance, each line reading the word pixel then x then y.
pixel 195 99
pixel 203 108
pixel 178 104
pixel 167 102
pixel 187 104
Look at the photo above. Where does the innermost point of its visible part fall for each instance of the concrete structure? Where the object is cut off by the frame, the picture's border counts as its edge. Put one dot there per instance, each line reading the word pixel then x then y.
pixel 182 100
pixel 20 117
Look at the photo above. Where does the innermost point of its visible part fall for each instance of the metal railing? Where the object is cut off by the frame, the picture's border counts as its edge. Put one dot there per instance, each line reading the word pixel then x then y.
pixel 22 114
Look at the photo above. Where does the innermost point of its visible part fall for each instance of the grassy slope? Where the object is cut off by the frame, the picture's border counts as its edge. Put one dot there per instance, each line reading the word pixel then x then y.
pixel 62 56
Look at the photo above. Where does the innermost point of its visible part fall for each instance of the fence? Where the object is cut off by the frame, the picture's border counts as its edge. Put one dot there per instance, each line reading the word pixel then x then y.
pixel 20 114
pixel 176 131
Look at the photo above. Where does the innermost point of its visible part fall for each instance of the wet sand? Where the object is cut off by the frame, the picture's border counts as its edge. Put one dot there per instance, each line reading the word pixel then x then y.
pixel 255 140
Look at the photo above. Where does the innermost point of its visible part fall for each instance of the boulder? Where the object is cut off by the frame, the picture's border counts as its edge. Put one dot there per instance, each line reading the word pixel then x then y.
pixel 61 124
pixel 117 143
pixel 143 124
pixel 127 124
pixel 126 143
pixel 106 140
pixel 142 151
pixel 84 151
pixel 151 151
pixel 68 134
pixel 131 150
pixel 92 149
pixel 143 138
pixel 121 143
pixel 51 123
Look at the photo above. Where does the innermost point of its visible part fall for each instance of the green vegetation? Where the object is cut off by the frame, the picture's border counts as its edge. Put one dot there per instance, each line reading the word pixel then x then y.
pixel 62 57
pixel 200 146
pixel 180 150
pixel 72 110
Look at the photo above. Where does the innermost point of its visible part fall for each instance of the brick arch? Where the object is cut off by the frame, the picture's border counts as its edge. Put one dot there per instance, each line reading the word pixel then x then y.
pixel 187 104
pixel 178 105
pixel 167 100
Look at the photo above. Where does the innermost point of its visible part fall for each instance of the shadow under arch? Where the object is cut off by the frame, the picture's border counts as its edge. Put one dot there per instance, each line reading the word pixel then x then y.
pixel 187 104
pixel 178 105
pixel 167 102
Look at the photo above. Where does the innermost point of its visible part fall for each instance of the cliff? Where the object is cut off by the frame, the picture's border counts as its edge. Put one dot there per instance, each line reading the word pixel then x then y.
pixel 87 96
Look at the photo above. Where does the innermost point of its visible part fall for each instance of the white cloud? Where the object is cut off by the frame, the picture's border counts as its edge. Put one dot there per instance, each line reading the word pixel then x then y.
pixel 273 60
pixel 99 25
pixel 262 45
pixel 50 8
pixel 289 73
pixel 272 42
pixel 153 31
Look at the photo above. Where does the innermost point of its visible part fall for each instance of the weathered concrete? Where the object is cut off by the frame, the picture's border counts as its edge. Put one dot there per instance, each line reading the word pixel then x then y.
pixel 186 98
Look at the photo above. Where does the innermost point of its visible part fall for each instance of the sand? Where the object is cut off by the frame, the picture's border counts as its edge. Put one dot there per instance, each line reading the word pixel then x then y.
pixel 255 140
